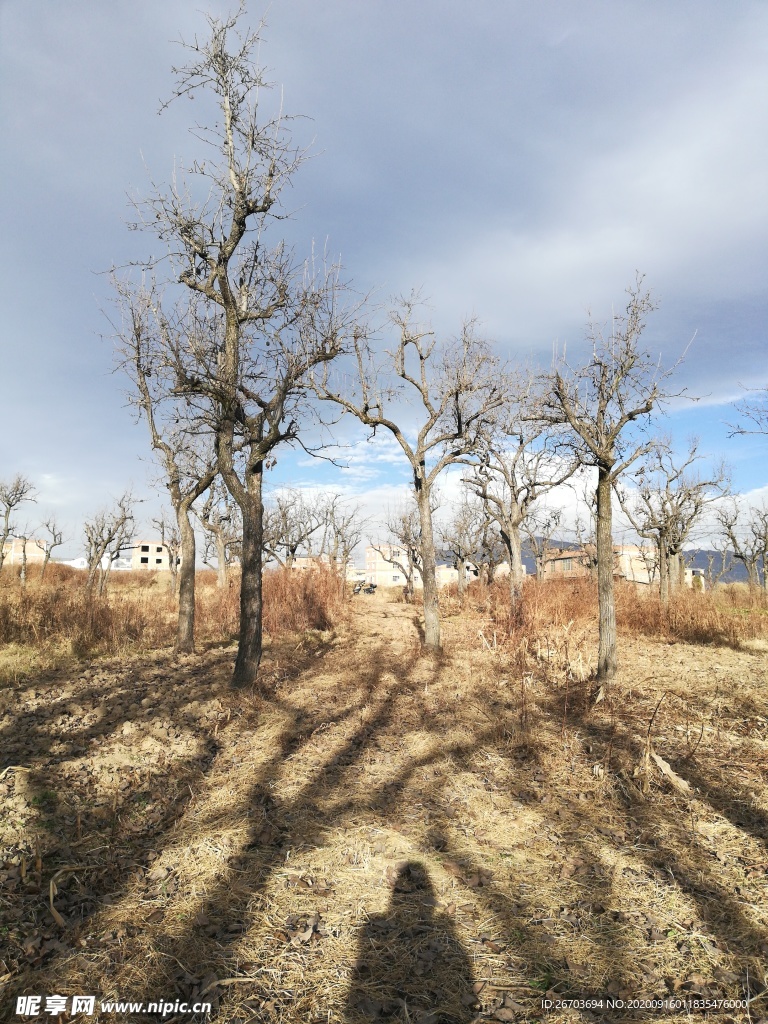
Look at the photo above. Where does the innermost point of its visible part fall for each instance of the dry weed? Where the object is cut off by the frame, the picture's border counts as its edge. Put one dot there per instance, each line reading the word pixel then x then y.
pixel 391 836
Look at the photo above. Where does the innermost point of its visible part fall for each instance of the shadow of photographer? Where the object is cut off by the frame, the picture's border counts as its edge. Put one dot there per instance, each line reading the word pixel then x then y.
pixel 410 965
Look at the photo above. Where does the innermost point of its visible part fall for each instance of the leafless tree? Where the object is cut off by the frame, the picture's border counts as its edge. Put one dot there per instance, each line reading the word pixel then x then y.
pixel 170 538
pixel 665 504
pixel 54 540
pixel 599 404
pixel 539 528
pixel 513 470
pixel 746 531
pixel 719 564
pixel 269 320
pixel 290 521
pixel 342 531
pixel 22 536
pixel 492 553
pixel 462 536
pixel 456 386
pixel 148 338
pixel 404 549
pixel 12 494
pixel 220 518
pixel 106 535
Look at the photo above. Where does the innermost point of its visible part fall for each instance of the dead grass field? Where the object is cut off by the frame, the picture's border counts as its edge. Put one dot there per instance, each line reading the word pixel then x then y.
pixel 382 835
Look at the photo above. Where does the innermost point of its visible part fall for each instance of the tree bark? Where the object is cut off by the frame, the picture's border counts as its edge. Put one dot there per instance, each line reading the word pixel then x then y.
pixel 606 657
pixel 461 565
pixel 221 560
pixel 511 539
pixel 250 638
pixel 428 570
pixel 663 572
pixel 185 630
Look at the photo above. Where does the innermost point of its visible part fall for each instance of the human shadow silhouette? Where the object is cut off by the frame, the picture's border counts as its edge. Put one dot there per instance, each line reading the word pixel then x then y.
pixel 410 965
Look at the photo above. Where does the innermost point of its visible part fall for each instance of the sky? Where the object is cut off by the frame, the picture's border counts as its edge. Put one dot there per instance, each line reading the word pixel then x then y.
pixel 518 162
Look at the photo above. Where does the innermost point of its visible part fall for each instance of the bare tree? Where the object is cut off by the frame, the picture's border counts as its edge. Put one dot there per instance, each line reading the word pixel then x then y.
pixel 269 321
pixel 289 524
pixel 54 540
pixel 599 404
pixel 22 535
pixel 404 549
pixel 342 532
pixel 456 386
pixel 148 339
pixel 539 528
pixel 514 469
pixel 747 533
pixel 462 536
pixel 12 494
pixel 170 538
pixel 106 535
pixel 220 519
pixel 665 504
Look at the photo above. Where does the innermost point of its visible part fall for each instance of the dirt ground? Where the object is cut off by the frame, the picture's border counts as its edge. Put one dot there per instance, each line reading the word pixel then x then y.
pixel 383 835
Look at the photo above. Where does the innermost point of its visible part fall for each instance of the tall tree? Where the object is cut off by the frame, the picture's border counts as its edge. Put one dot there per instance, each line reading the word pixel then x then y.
pixel 12 494
pixel 605 406
pixel 269 320
pixel 342 531
pixel 456 387
pixel 170 538
pixel 149 341
pixel 290 522
pixel 462 536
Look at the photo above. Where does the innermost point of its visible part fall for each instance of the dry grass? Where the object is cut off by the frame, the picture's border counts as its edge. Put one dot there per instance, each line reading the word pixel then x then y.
pixel 56 618
pixel 455 835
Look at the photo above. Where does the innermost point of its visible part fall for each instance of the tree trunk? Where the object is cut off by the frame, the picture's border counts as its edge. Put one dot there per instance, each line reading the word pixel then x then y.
pixel 221 560
pixel 23 575
pixel 428 570
pixel 663 573
pixel 46 559
pixel 606 657
pixel 461 565
pixel 250 638
pixel 513 544
pixel 185 629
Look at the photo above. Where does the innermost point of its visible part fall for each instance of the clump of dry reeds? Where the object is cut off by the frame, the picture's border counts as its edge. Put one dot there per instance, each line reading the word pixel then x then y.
pixel 62 613
pixel 722 617
pixel 139 611
pixel 297 601
pixel 726 616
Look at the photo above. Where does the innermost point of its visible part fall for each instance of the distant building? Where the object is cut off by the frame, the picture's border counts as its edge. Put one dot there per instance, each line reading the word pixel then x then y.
pixel 150 555
pixel 630 562
pixel 14 547
pixel 385 573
